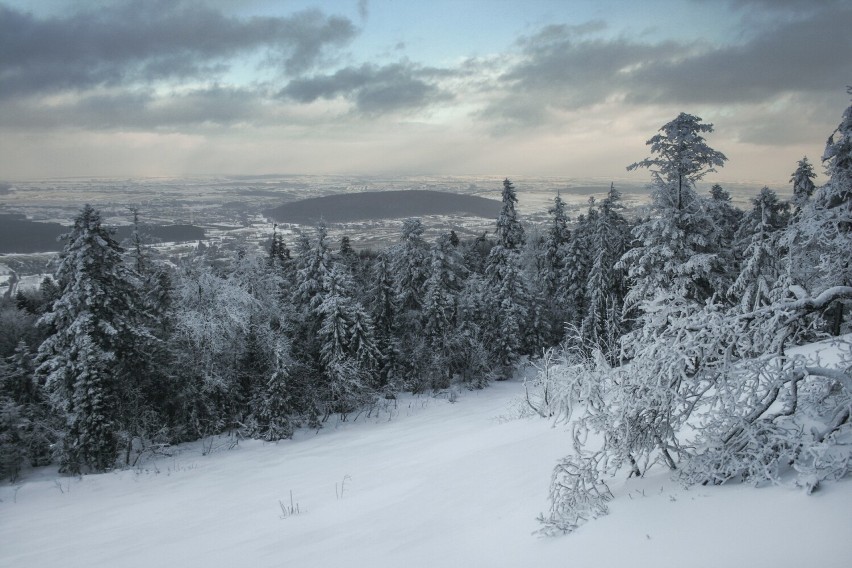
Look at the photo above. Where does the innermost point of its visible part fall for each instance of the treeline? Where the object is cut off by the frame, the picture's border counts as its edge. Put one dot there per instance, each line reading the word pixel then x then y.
pixel 124 353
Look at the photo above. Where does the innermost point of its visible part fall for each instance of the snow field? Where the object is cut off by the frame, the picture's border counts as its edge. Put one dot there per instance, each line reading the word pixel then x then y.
pixel 437 485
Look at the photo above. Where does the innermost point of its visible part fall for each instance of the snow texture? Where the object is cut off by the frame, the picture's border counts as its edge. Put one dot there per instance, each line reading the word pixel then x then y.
pixel 433 485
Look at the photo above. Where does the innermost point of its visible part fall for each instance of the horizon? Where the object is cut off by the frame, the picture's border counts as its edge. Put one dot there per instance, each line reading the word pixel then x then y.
pixel 124 89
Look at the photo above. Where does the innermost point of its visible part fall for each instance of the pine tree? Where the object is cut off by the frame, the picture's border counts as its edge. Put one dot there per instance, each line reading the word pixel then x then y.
pixel 279 254
pixel 508 295
pixel 605 286
pixel 383 309
pixel 557 236
pixel 273 415
pixel 89 360
pixel 676 253
pixel 762 262
pixel 571 291
pixel 348 349
pixel 440 310
pixel 410 266
pixel 727 220
pixel 803 183
pixel 510 232
pixel 551 270
pixel 313 264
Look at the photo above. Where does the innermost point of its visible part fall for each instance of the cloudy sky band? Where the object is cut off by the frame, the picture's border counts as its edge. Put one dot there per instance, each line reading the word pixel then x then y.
pixel 554 88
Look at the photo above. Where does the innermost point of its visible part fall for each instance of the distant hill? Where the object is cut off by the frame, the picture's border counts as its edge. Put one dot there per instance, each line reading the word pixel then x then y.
pixel 20 235
pixel 367 205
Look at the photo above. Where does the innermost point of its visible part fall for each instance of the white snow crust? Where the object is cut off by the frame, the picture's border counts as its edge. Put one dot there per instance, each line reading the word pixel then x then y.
pixel 438 484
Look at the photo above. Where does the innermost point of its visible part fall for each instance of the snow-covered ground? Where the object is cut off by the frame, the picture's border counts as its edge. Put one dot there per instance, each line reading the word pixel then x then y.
pixel 438 484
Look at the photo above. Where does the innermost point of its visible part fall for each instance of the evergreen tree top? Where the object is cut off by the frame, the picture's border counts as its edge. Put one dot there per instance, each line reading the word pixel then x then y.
pixel 680 151
pixel 509 231
pixel 802 180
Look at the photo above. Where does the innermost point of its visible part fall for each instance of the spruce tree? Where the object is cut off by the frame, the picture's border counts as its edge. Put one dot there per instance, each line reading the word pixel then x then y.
pixel 89 360
pixel 803 183
pixel 441 305
pixel 605 285
pixel 763 259
pixel 508 296
pixel 675 256
pixel 510 232
pixel 727 219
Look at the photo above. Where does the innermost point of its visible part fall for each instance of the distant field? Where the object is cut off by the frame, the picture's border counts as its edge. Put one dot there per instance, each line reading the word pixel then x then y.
pixel 367 205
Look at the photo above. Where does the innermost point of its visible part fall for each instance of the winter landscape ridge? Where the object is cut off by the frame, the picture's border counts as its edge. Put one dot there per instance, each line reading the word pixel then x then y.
pixel 674 367
pixel 385 282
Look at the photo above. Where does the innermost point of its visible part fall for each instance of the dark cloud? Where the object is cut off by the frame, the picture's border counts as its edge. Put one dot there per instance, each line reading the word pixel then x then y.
pixel 806 55
pixel 373 89
pixel 133 42
pixel 559 70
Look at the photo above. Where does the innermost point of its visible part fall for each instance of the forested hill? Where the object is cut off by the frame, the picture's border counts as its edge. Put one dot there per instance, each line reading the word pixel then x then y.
pixel 383 205
pixel 20 235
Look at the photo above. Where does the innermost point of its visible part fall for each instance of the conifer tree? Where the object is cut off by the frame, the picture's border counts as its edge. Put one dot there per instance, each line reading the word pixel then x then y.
pixel 557 237
pixel 382 306
pixel 507 290
pixel 803 183
pixel 279 254
pixel 441 305
pixel 577 259
pixel 410 268
pixel 274 409
pixel 822 234
pixel 762 262
pixel 605 286
pixel 675 255
pixel 727 219
pixel 510 232
pixel 89 361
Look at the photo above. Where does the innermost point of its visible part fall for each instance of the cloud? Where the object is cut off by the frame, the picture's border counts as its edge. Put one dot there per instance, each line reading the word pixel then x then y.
pixel 142 110
pixel 562 69
pixel 142 42
pixel 801 56
pixel 373 89
pixel 784 5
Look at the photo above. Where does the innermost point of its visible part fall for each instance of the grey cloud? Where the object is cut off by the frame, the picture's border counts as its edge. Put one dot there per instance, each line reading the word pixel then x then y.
pixel 142 110
pixel 776 126
pixel 559 70
pixel 807 55
pixel 132 42
pixel 373 89
pixel 784 5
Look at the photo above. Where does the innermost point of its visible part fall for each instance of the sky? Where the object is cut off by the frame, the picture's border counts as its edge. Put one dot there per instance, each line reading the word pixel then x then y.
pixel 565 88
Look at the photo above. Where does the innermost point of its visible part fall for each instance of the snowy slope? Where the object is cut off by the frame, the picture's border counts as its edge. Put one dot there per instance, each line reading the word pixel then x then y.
pixel 439 484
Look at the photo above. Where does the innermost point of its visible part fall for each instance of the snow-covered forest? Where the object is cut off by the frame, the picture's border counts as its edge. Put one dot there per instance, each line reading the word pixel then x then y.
pixel 664 341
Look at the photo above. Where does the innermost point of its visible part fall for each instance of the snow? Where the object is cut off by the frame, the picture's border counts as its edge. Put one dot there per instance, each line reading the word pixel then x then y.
pixel 434 484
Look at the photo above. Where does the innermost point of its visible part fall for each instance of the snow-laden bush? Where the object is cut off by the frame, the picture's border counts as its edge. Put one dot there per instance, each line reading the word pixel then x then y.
pixel 703 397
